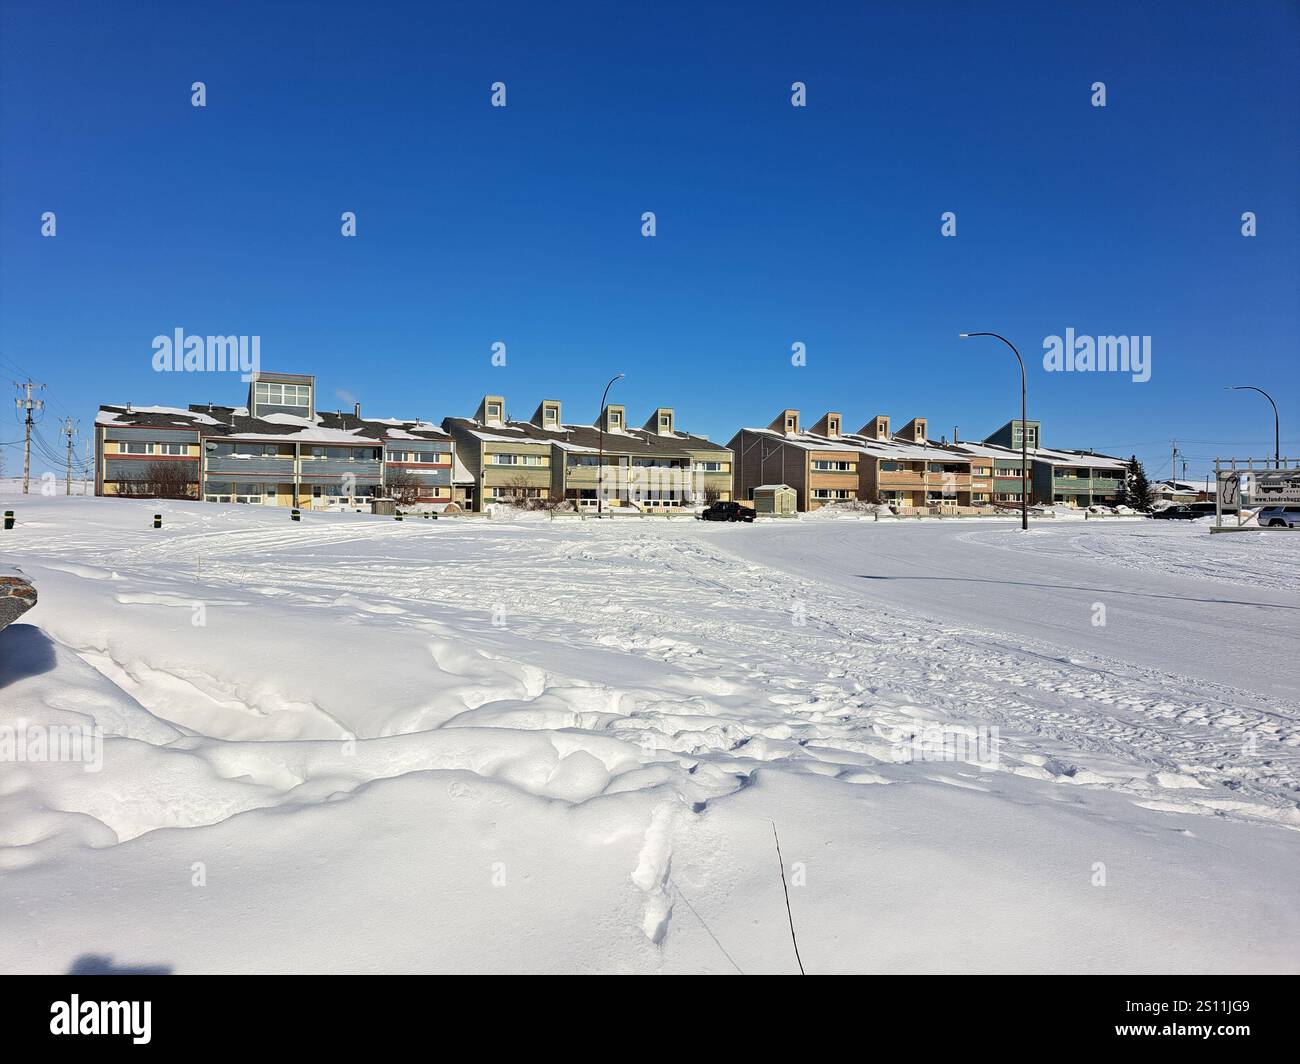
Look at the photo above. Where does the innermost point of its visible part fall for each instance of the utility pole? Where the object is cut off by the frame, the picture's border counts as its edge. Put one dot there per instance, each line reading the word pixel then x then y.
pixel 69 430
pixel 26 403
pixel 1173 464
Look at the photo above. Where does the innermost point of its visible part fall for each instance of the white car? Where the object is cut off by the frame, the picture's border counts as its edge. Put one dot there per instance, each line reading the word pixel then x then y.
pixel 1279 517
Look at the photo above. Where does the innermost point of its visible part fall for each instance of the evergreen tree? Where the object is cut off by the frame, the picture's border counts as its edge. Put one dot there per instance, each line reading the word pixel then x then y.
pixel 1135 489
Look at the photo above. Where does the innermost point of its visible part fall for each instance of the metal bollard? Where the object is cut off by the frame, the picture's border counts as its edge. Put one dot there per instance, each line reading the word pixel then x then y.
pixel 157 520
pixel 295 515
pixel 9 519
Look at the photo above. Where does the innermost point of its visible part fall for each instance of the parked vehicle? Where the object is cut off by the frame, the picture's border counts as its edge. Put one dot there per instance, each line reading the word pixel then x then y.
pixel 727 511
pixel 1098 508
pixel 1124 511
pixel 1279 517
pixel 1187 512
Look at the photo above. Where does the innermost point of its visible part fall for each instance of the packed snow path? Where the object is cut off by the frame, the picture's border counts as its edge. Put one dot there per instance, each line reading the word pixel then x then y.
pixel 528 745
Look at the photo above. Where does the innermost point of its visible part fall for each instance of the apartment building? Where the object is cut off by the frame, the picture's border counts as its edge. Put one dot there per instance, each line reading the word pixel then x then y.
pixel 825 464
pixel 277 450
pixel 1057 476
pixel 909 471
pixel 503 459
pixel 819 464
pixel 655 467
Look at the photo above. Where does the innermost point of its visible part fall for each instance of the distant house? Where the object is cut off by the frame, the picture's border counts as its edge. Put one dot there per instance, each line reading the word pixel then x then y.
pixel 1181 491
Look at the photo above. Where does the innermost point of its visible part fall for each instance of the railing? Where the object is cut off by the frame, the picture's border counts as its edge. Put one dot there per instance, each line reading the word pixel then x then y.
pixel 239 465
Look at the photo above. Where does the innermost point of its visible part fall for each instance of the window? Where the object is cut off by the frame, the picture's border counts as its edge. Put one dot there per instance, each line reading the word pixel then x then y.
pixel 134 447
pixel 519 459
pixel 494 411
pixel 831 494
pixel 421 457
pixel 615 418
pixel 343 454
pixel 710 467
pixel 550 415
pixel 822 465
pixel 889 467
pixel 246 450
pixel 297 397
pixel 665 422
pixel 789 424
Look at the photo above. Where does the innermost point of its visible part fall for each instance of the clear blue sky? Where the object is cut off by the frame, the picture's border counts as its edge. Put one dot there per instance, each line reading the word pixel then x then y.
pixel 775 224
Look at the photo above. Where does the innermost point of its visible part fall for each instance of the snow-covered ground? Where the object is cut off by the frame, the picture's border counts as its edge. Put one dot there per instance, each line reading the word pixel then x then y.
pixel 355 744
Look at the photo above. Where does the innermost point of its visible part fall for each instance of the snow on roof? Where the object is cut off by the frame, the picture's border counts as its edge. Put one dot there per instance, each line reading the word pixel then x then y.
pixel 774 487
pixel 519 437
pixel 807 441
pixel 313 434
pixel 110 417
pixel 1053 457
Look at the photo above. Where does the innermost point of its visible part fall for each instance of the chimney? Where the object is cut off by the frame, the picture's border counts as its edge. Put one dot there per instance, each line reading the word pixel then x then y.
pixel 955 437
pixel 356 411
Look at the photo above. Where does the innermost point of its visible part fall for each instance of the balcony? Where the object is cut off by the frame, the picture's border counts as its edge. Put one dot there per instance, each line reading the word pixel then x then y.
pixel 236 465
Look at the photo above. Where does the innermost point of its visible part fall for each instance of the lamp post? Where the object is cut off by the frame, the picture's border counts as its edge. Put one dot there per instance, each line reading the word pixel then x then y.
pixel 600 468
pixel 1277 430
pixel 1024 428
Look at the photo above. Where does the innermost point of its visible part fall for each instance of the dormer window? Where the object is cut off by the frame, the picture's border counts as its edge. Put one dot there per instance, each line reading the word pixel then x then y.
pixel 551 415
pixel 615 419
pixel 834 425
pixel 789 424
pixel 665 422
pixel 494 411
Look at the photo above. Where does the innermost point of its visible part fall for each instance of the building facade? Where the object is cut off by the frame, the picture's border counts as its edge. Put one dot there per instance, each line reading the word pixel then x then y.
pixel 1059 477
pixel 278 450
pixel 820 466
pixel 654 468
pixel 827 465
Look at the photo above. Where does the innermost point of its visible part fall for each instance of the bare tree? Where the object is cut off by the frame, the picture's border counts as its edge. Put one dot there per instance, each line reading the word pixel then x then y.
pixel 162 480
pixel 525 495
pixel 403 487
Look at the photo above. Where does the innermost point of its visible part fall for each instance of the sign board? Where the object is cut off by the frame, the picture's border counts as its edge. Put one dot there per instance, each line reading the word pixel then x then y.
pixel 1229 491
pixel 1270 489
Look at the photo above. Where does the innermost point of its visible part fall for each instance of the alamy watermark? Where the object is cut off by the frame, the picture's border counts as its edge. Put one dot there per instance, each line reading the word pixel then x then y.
pixel 978 745
pixel 1098 354
pixel 179 353
pixel 38 743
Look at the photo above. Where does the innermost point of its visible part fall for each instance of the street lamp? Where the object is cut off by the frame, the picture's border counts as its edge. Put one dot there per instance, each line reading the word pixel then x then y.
pixel 1024 428
pixel 1277 430
pixel 600 468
